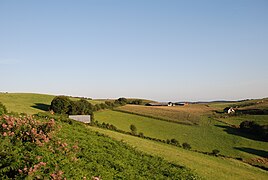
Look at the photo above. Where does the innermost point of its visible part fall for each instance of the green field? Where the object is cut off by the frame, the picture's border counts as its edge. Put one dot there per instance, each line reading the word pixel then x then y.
pixel 209 135
pixel 208 167
pixel 30 103
pixel 188 114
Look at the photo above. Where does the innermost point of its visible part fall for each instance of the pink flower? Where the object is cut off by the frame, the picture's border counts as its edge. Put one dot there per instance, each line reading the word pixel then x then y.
pixel 4 134
pixel 4 126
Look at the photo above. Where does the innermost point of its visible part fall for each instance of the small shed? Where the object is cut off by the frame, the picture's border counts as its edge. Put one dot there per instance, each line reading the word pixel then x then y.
pixel 81 118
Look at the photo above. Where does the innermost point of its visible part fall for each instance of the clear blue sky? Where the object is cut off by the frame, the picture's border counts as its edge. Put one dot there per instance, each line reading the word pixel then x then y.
pixel 163 50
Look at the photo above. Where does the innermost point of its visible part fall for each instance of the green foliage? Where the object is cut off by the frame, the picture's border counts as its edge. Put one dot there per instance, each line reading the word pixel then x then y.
pixel 133 129
pixel 135 101
pixel 215 152
pixel 3 109
pixel 186 146
pixel 61 104
pixel 42 148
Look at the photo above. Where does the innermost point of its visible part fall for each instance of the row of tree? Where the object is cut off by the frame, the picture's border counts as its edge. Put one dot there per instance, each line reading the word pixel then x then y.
pixel 64 105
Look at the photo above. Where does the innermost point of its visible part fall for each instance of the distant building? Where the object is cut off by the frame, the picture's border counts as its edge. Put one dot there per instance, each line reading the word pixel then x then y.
pixel 160 104
pixel 231 110
pixel 81 118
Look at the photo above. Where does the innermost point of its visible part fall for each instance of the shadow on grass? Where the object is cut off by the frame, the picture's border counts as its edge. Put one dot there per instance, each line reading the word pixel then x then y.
pixel 257 152
pixel 41 106
pixel 237 132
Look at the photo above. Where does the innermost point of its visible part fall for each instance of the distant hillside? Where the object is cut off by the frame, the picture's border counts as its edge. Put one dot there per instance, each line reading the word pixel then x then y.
pixel 29 102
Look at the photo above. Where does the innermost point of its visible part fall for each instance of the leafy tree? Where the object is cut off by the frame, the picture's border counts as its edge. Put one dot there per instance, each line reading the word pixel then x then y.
pixel 215 152
pixel 186 146
pixel 133 129
pixel 174 142
pixel 84 107
pixel 61 105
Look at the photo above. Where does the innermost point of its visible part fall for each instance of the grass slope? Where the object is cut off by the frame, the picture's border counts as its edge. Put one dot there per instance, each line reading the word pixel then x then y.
pixel 30 103
pixel 209 135
pixel 94 154
pixel 208 167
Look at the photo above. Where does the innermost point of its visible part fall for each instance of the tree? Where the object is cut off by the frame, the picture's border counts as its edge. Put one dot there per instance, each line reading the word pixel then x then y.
pixel 3 109
pixel 215 152
pixel 61 105
pixel 133 129
pixel 84 107
pixel 186 146
pixel 174 142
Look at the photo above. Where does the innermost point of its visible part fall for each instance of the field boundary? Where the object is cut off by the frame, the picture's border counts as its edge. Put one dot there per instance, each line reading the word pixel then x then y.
pixel 153 117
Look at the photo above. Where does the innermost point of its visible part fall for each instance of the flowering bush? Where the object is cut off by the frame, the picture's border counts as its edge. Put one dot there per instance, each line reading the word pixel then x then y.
pixel 27 148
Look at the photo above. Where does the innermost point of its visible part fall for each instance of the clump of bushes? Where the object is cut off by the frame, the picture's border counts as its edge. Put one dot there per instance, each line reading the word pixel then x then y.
pixel 63 105
pixel 186 146
pixel 3 109
pixel 215 152
pixel 22 139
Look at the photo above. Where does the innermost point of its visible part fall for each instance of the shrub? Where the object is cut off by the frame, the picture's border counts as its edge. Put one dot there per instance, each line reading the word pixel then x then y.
pixel 174 142
pixel 3 109
pixel 61 105
pixel 186 146
pixel 133 129
pixel 215 152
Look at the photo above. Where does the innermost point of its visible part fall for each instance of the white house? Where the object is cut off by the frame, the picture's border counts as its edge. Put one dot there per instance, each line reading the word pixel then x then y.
pixel 81 118
pixel 231 110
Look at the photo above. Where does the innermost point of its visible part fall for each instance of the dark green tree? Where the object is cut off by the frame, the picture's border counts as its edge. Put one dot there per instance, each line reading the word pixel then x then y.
pixel 133 129
pixel 61 104
pixel 186 146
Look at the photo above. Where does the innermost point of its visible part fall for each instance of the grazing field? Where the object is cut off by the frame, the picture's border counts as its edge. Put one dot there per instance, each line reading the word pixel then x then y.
pixel 236 120
pixel 208 167
pixel 30 103
pixel 209 135
pixel 188 114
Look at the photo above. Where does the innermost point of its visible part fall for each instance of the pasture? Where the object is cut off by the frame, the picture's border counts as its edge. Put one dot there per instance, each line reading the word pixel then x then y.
pixel 209 135
pixel 188 114
pixel 208 167
pixel 30 103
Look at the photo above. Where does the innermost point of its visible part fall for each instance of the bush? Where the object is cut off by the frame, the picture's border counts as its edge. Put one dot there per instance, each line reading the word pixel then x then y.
pixel 3 109
pixel 215 152
pixel 186 146
pixel 61 105
pixel 133 129
pixel 174 142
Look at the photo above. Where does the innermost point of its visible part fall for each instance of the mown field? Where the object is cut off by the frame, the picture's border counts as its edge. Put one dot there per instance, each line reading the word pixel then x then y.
pixel 30 103
pixel 208 167
pixel 188 114
pixel 209 135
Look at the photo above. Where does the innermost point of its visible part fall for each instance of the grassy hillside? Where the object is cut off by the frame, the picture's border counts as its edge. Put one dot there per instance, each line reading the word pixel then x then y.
pixel 209 135
pixel 30 103
pixel 208 167
pixel 189 114
pixel 67 149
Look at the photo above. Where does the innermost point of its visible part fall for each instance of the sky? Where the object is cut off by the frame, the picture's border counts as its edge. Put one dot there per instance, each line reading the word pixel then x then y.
pixel 164 50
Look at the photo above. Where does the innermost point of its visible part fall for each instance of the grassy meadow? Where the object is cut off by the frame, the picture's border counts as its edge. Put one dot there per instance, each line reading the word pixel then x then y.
pixel 209 135
pixel 30 103
pixel 208 167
